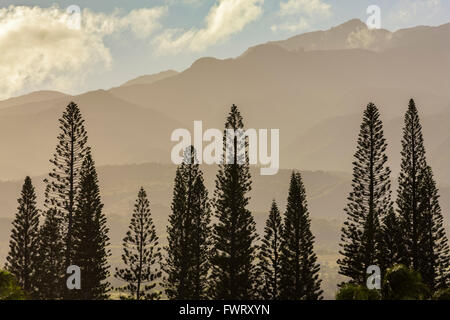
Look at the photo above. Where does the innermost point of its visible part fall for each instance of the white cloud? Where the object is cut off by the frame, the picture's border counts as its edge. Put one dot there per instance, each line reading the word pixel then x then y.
pixel 292 26
pixel 187 2
pixel 39 45
pixel 414 11
pixel 304 7
pixel 225 18
pixel 142 22
pixel 299 14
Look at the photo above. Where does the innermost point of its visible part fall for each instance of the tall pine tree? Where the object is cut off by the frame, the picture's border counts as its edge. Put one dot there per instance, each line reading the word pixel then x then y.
pixel 22 260
pixel 412 167
pixel 234 231
pixel 270 256
pixel 90 236
pixel 434 252
pixel 51 268
pixel 424 245
pixel 62 184
pixel 299 267
pixel 141 253
pixel 188 250
pixel 368 203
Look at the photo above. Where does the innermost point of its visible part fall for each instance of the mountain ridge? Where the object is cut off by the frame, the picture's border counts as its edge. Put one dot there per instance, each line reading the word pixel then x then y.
pixel 274 88
pixel 150 78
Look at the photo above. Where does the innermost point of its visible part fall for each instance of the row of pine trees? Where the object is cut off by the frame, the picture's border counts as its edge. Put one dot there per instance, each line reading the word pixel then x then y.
pixel 378 233
pixel 213 250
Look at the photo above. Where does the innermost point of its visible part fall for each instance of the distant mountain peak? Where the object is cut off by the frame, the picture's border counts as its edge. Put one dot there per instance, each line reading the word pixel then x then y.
pixel 36 96
pixel 204 61
pixel 353 34
pixel 151 78
pixel 269 49
pixel 351 25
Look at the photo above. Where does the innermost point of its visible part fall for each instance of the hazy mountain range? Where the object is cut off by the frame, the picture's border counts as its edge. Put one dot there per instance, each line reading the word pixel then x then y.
pixel 313 87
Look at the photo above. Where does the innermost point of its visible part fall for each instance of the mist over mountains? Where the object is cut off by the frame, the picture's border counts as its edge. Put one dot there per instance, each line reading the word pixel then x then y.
pixel 312 87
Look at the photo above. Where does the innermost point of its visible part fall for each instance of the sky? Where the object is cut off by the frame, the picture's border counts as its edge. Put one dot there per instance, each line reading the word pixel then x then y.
pixel 43 47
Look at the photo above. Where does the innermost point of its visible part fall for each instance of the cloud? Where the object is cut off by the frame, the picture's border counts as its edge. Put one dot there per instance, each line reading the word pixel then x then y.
pixel 44 46
pixel 142 22
pixel 292 26
pixel 186 2
pixel 306 7
pixel 225 18
pixel 300 14
pixel 417 11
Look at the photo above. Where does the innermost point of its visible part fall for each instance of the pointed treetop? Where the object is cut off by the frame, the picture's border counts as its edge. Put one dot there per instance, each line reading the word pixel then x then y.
pixel 371 107
pixel 412 110
pixel 234 119
pixel 274 204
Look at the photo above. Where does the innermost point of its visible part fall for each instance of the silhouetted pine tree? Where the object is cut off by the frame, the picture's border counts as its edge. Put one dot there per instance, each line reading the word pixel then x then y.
pixel 391 239
pixel 424 245
pixel 51 268
pixel 141 253
pixel 188 250
pixel 412 167
pixel 90 236
pixel 234 232
pixel 22 260
pixel 434 252
pixel 62 184
pixel 368 203
pixel 269 266
pixel 299 267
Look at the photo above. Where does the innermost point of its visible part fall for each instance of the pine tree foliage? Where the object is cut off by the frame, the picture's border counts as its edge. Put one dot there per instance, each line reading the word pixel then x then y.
pixel 434 252
pixel 369 201
pixel 90 236
pixel 300 270
pixel 424 242
pixel 391 239
pixel 270 256
pixel 141 253
pixel 62 184
pixel 22 260
pixel 234 231
pixel 51 267
pixel 189 233
pixel 412 167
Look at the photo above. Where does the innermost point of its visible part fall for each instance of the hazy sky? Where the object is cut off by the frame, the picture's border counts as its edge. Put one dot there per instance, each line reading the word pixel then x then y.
pixel 41 47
